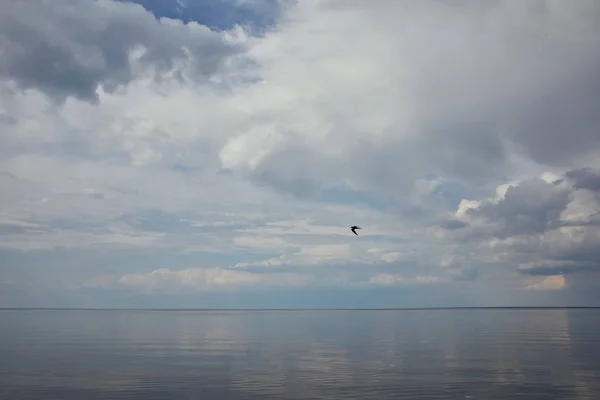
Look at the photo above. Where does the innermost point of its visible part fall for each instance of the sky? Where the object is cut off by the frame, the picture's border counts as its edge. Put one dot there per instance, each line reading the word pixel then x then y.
pixel 213 154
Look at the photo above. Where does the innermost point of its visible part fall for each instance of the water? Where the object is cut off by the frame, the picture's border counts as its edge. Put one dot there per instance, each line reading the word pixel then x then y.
pixel 410 354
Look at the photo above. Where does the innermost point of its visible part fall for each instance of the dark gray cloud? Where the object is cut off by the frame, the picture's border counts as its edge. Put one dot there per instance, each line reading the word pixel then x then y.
pixel 7 119
pixel 544 228
pixel 452 224
pixel 585 178
pixel 556 267
pixel 69 47
pixel 533 206
pixel 563 124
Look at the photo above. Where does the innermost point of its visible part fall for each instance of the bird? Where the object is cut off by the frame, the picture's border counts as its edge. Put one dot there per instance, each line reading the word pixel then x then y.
pixel 354 228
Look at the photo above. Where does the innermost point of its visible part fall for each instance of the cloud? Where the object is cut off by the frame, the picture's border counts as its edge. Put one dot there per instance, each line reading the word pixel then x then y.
pixel 382 113
pixel 555 282
pixel 543 226
pixel 70 48
pixel 213 279
pixel 584 178
pixel 388 279
pixel 531 207
pixel 333 254
pixel 196 280
pixel 452 224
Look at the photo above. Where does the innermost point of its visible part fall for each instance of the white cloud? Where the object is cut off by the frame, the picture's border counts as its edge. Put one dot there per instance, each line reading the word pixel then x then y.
pixel 389 279
pixel 327 255
pixel 217 279
pixel 357 113
pixel 212 279
pixel 555 282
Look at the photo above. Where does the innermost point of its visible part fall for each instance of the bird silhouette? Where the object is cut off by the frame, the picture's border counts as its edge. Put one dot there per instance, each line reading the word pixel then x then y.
pixel 354 228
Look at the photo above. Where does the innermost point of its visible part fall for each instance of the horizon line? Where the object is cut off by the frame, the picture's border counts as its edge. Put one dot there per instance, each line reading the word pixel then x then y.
pixel 301 309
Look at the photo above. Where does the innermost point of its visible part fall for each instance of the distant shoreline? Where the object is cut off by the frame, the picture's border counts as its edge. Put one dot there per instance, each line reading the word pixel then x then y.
pixel 291 309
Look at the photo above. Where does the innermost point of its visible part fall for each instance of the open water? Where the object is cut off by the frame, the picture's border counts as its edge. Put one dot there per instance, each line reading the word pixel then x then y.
pixel 387 354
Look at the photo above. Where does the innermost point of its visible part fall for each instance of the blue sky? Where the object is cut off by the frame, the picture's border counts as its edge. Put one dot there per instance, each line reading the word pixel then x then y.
pixel 256 16
pixel 213 154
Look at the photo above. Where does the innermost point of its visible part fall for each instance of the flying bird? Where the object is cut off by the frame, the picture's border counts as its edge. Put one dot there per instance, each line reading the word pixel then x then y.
pixel 354 228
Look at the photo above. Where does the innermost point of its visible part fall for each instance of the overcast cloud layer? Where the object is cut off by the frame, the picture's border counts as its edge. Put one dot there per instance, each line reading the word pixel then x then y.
pixel 155 162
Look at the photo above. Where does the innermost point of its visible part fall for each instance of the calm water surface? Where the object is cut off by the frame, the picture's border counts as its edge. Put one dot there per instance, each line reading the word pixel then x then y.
pixel 429 354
